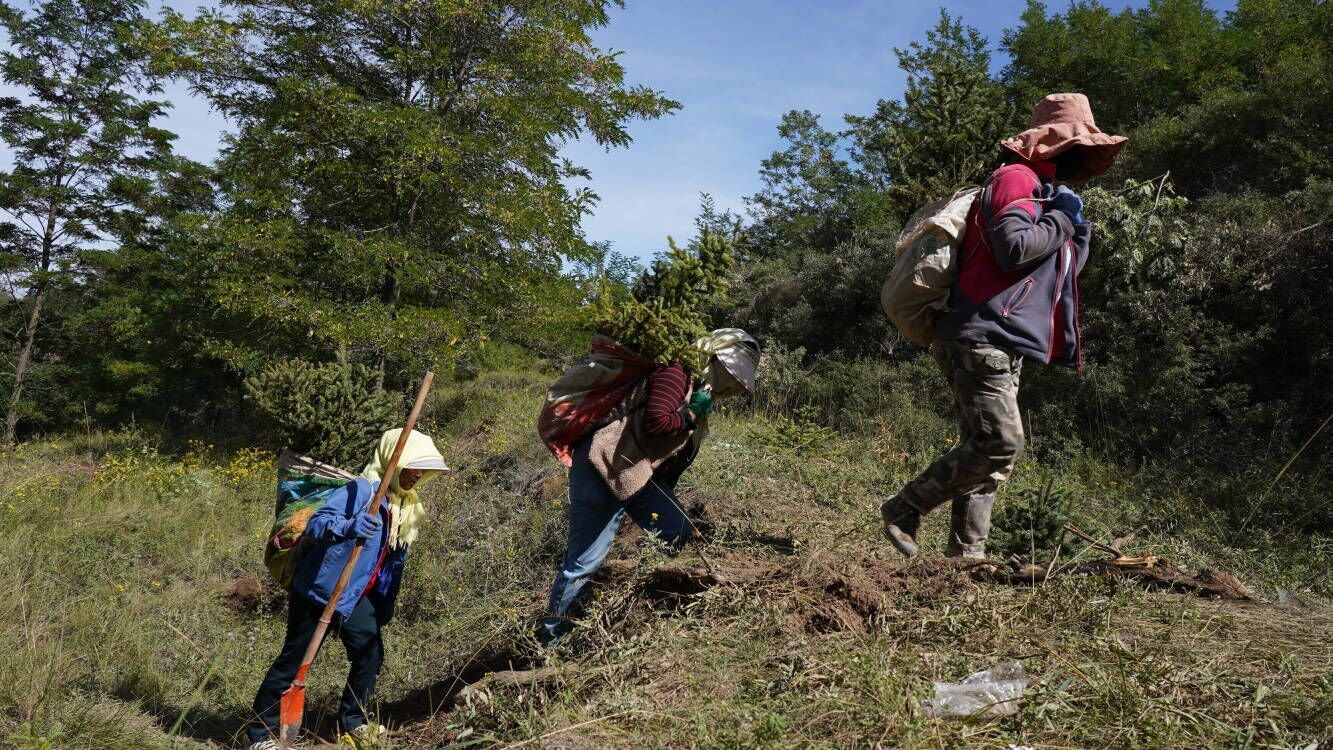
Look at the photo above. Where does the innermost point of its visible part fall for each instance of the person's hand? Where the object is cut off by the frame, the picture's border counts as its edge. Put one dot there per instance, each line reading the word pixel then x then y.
pixel 701 403
pixel 1067 200
pixel 363 526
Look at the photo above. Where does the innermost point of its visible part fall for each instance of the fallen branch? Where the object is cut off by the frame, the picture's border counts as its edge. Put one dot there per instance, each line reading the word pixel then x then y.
pixel 1157 573
pixel 515 678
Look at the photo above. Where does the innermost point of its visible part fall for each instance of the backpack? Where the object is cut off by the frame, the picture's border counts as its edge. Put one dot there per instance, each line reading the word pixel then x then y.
pixel 926 266
pixel 587 394
pixel 304 485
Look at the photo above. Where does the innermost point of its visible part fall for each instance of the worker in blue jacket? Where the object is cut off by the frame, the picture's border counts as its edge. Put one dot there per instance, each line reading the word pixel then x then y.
pixel 367 602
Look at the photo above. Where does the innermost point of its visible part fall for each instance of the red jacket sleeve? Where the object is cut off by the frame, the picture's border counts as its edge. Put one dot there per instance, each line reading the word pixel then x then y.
pixel 1020 232
pixel 664 410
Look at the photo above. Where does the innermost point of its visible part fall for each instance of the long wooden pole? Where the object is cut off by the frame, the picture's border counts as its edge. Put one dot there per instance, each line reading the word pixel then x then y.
pixel 293 699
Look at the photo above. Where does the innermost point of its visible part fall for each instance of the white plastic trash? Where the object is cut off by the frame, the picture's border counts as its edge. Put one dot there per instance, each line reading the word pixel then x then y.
pixel 994 692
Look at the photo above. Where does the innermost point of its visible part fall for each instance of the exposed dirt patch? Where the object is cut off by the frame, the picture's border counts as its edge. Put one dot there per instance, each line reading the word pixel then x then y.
pixel 852 596
pixel 546 486
pixel 831 598
pixel 694 573
pixel 670 582
pixel 248 594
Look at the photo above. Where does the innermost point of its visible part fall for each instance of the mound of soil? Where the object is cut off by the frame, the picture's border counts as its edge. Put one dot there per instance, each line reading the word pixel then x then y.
pixel 248 594
pixel 673 581
pixel 850 598
pixel 828 598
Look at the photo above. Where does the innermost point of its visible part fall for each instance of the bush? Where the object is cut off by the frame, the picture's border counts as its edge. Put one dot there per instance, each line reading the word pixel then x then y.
pixel 1028 522
pixel 823 300
pixel 907 402
pixel 334 412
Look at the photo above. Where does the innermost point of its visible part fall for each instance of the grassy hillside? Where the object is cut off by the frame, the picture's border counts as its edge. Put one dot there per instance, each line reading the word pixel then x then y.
pixel 139 615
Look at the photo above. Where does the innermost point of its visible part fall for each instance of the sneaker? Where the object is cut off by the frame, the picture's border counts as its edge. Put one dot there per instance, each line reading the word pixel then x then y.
pixel 265 745
pixel 365 737
pixel 901 522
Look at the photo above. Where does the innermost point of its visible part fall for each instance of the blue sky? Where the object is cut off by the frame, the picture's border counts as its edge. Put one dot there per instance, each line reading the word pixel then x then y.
pixel 736 66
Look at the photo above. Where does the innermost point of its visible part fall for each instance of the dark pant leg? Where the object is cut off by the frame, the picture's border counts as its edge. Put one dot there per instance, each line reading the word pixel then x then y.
pixel 302 619
pixel 657 510
pixel 361 637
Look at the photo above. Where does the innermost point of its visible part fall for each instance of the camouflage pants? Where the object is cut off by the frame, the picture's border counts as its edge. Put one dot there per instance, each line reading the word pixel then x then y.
pixel 984 381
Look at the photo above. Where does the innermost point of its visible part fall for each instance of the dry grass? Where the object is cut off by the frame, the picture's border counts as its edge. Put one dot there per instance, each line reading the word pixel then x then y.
pixel 807 631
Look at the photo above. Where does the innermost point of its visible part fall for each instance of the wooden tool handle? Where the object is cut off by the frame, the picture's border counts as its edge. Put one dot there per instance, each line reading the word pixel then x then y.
pixel 387 478
pixel 326 617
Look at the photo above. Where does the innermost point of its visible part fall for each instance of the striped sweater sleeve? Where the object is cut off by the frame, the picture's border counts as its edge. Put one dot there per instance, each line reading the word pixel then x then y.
pixel 664 412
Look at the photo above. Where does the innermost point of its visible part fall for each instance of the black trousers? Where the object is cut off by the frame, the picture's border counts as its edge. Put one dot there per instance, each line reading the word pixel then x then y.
pixel 360 634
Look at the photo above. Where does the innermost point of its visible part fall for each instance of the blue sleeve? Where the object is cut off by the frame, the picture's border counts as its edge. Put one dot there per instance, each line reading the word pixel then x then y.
pixel 329 524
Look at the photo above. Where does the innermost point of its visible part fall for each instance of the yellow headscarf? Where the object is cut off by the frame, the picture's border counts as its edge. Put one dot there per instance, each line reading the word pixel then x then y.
pixel 408 508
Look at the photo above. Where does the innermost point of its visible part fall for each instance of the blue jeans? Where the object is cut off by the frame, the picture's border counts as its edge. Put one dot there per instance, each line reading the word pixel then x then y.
pixel 594 519
pixel 360 634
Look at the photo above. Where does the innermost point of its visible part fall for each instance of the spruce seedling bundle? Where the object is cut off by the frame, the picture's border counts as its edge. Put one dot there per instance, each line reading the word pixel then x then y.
pixel 663 314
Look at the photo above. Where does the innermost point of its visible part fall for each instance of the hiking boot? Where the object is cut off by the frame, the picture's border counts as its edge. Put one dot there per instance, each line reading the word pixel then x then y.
pixel 969 525
pixel 902 520
pixel 966 551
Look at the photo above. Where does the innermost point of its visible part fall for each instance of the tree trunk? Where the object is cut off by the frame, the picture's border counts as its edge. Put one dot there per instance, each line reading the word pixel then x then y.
pixel 389 294
pixel 21 365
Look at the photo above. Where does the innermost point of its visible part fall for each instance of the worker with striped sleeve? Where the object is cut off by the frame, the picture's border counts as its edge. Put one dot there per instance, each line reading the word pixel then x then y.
pixel 631 464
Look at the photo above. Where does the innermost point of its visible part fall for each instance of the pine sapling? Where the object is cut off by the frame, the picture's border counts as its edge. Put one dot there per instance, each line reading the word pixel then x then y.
pixel 663 314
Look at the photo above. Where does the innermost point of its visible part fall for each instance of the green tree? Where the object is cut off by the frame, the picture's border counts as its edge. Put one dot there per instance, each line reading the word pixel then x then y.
pixel 297 399
pixel 1133 64
pixel 86 154
pixel 1218 102
pixel 807 193
pixel 1215 323
pixel 150 351
pixel 831 204
pixel 666 310
pixel 946 131
pixel 395 185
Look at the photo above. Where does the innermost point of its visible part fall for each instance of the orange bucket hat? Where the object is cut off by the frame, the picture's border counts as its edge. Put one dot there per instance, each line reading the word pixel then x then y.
pixel 1061 122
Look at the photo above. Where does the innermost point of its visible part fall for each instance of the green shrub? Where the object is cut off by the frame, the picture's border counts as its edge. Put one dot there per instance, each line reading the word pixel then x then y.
pixel 863 396
pixel 334 412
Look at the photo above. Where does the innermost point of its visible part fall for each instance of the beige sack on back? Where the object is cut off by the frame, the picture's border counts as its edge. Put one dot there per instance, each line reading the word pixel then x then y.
pixel 926 266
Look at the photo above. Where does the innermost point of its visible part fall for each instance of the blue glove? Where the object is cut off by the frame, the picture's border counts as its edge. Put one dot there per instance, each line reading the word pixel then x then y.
pixel 362 526
pixel 1067 200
